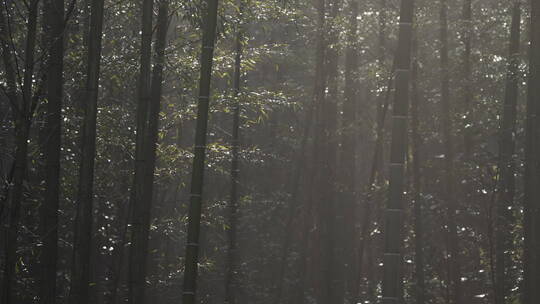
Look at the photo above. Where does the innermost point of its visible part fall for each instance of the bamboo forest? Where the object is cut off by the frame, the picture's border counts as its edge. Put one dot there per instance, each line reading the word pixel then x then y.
pixel 270 151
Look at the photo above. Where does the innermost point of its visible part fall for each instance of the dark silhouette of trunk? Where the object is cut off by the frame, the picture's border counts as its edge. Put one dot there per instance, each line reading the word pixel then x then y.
pixel 336 239
pixel 18 168
pixel 454 273
pixel 507 167
pixel 197 181
pixel 152 132
pixel 383 98
pixel 156 88
pixel 54 27
pixel 22 109
pixel 231 280
pixel 417 179
pixel 392 286
pixel 320 193
pixel 466 80
pixel 347 206
pixel 80 271
pixel 531 250
pixel 140 200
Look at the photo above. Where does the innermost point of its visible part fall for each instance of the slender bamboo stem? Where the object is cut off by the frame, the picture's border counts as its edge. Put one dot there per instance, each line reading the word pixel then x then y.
pixel 197 181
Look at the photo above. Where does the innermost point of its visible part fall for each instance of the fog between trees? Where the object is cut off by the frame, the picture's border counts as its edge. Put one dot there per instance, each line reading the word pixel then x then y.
pixel 270 152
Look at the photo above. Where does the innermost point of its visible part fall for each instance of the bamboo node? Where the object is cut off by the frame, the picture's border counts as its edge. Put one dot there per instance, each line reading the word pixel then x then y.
pixel 400 116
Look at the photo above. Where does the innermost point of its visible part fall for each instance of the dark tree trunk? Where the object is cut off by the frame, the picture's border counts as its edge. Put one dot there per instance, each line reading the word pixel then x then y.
pixel 156 89
pixel 319 193
pixel 197 181
pixel 348 150
pixel 21 108
pixel 18 168
pixel 383 98
pixel 80 271
pixel 54 27
pixel 392 286
pixel 140 200
pixel 336 239
pixel 417 179
pixel 454 273
pixel 531 249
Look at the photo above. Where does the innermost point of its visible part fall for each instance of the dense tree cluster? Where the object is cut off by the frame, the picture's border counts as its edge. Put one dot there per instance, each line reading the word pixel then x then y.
pixel 270 151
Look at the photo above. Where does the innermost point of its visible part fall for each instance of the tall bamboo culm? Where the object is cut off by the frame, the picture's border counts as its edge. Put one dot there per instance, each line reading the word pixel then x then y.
pixel 194 213
pixel 54 26
pixel 531 258
pixel 138 203
pixel 454 272
pixel 392 287
pixel 80 270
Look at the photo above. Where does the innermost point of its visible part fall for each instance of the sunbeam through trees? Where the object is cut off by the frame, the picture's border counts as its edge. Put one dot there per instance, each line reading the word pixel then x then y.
pixel 270 151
